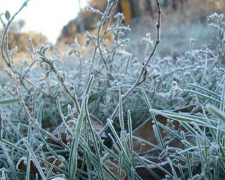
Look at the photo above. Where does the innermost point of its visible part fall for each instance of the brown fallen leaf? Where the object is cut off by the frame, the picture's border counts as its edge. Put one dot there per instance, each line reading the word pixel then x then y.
pixel 145 132
pixel 146 175
pixel 56 162
pixel 96 123
pixel 22 165
pixel 114 168
pixel 65 136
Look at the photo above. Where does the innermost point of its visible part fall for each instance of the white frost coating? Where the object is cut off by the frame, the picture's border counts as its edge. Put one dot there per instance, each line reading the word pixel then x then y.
pixel 58 178
pixel 24 159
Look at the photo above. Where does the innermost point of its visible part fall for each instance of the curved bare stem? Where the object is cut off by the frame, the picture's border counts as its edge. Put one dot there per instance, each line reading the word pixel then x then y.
pixel 6 31
pixel 142 76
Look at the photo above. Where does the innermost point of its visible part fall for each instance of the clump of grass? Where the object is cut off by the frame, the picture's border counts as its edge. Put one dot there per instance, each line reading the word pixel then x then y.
pixel 118 89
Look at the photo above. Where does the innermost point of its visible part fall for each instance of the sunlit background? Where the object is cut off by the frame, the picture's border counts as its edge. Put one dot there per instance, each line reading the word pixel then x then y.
pixel 56 21
pixel 44 16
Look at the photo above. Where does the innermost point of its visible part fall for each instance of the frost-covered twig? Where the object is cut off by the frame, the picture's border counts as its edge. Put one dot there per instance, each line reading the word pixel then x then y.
pixel 142 76
pixel 6 31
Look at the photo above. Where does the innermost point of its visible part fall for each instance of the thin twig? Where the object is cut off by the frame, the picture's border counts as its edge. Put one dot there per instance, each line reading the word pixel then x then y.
pixel 3 48
pixel 92 64
pixel 105 15
pixel 142 75
pixel 6 31
pixel 65 88
pixel 108 20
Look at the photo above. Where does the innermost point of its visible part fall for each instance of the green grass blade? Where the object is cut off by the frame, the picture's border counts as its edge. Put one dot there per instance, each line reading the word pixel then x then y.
pixel 153 164
pixel 173 170
pixel 9 101
pixel 203 95
pixel 62 116
pixel 35 160
pixel 95 137
pixel 130 135
pixel 9 160
pixel 75 142
pixel 39 114
pixel 155 126
pixel 222 102
pixel 169 130
pixel 216 112
pixel 89 85
pixel 12 145
pixel 121 118
pixel 180 117
pixel 205 90
pixel 187 158
pixel 117 138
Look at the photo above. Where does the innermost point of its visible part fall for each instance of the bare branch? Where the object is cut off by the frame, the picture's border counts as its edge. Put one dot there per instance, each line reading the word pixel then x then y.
pixel 142 76
pixel 6 31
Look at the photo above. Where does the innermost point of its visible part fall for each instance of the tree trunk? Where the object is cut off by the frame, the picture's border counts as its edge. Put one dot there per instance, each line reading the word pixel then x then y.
pixel 133 13
pixel 80 27
pixel 149 7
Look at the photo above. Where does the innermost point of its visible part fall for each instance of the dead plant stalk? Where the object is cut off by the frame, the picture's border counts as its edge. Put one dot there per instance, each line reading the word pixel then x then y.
pixel 142 76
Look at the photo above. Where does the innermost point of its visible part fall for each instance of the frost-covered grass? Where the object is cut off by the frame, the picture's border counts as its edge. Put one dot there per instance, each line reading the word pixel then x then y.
pixel 52 110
